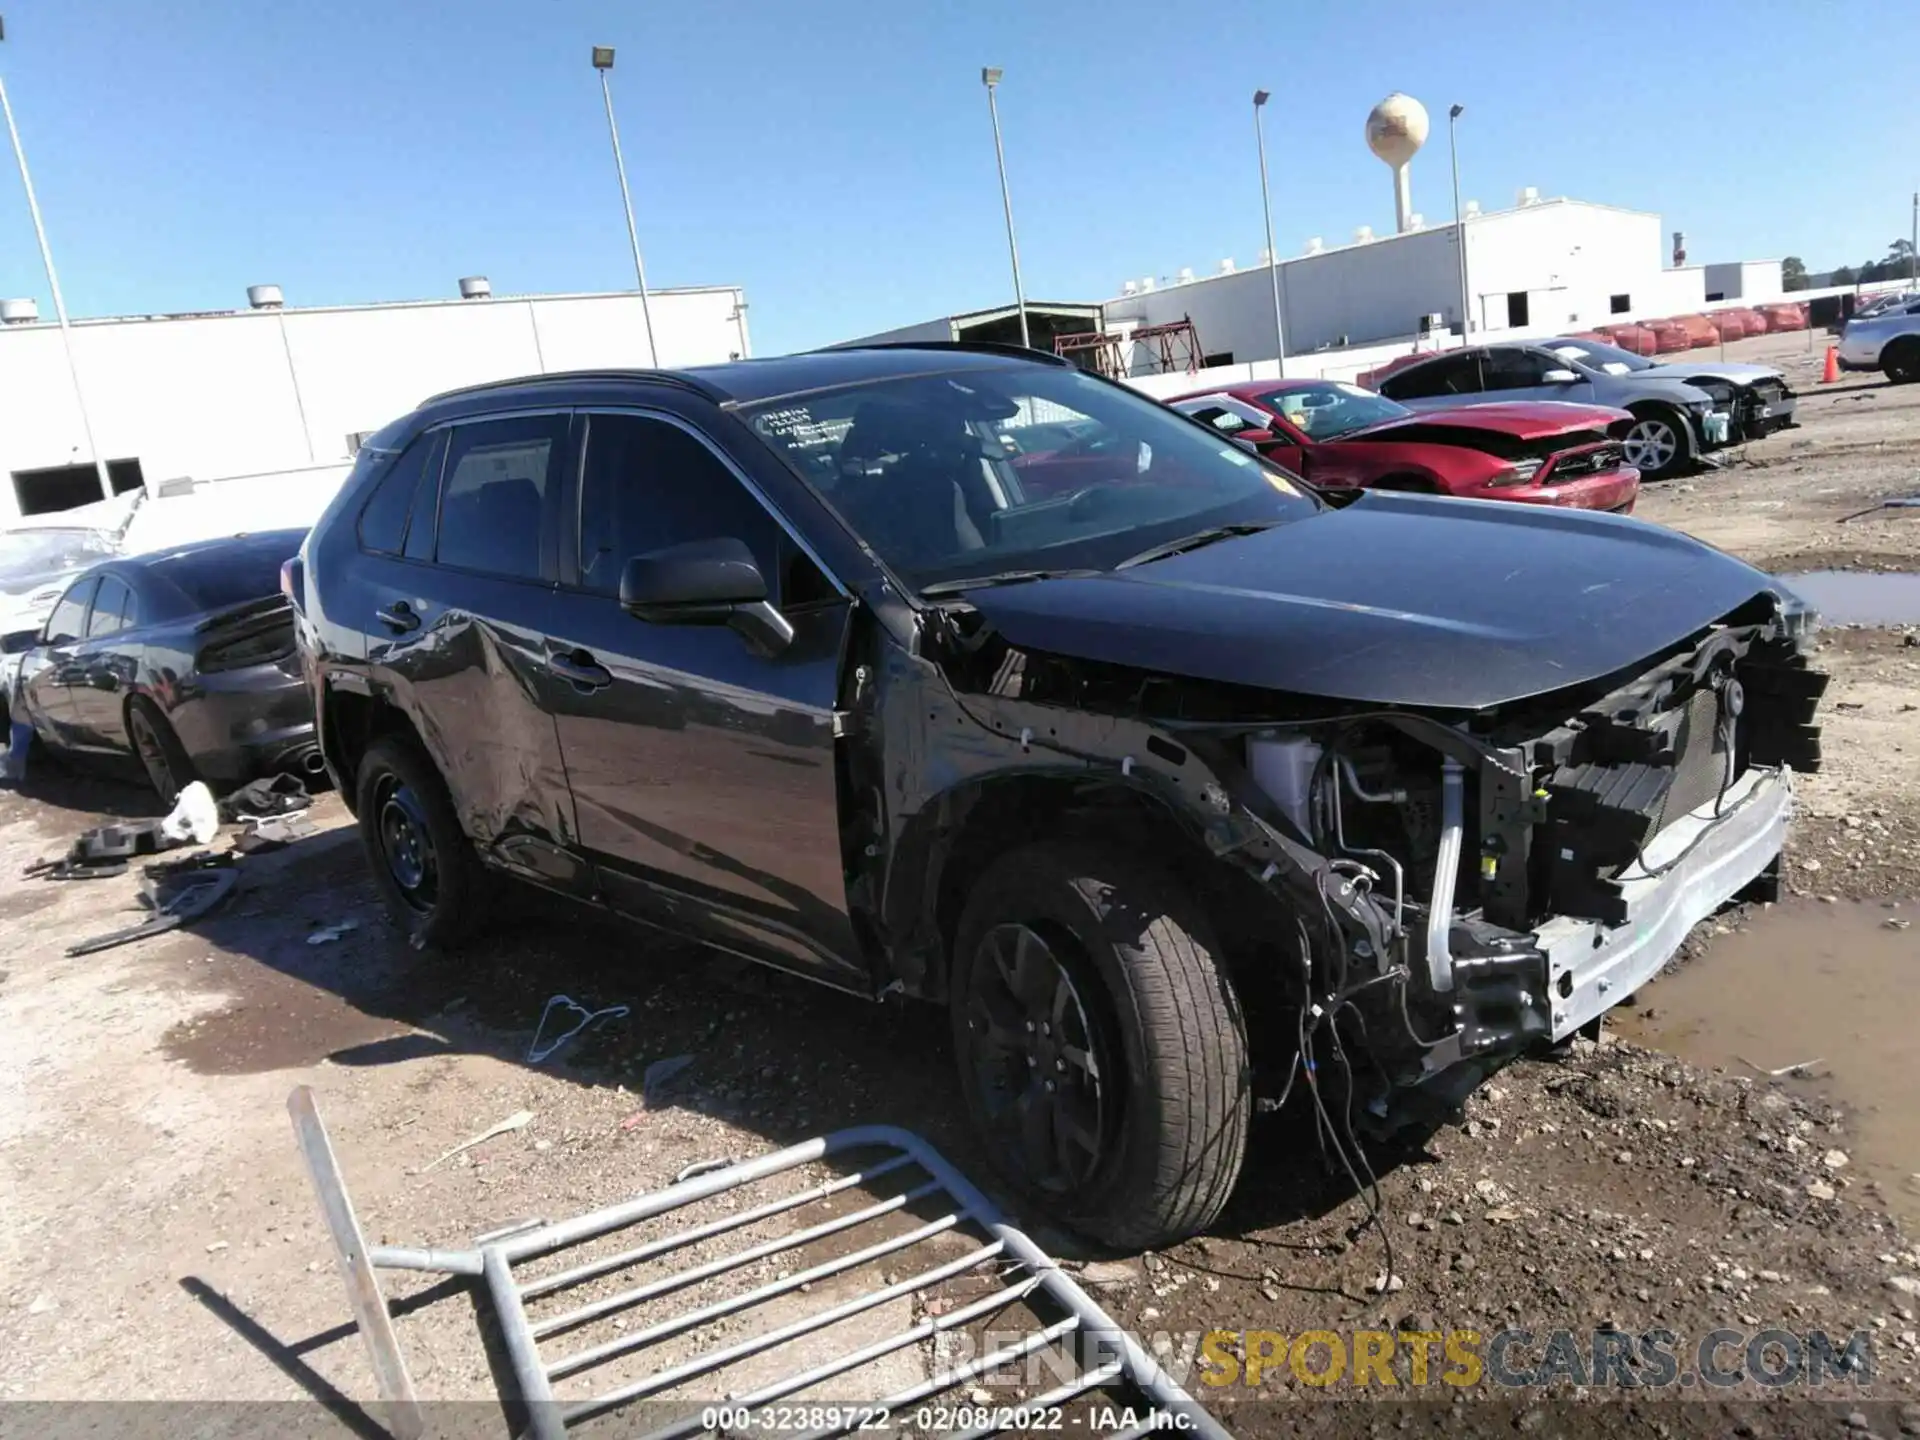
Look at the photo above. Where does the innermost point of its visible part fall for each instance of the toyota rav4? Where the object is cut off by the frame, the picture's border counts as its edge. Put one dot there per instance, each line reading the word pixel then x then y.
pixel 961 674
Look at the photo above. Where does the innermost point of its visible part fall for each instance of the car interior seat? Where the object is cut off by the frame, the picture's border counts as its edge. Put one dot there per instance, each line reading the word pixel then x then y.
pixel 904 477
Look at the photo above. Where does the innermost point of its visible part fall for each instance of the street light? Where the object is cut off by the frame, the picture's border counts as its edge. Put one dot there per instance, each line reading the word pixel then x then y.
pixel 53 284
pixel 1260 98
pixel 1459 221
pixel 603 62
pixel 990 77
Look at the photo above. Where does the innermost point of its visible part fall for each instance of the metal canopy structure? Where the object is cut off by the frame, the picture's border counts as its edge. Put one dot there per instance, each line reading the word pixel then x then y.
pixel 1169 348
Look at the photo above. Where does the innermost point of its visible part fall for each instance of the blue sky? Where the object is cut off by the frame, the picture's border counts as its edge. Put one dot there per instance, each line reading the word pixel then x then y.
pixel 835 157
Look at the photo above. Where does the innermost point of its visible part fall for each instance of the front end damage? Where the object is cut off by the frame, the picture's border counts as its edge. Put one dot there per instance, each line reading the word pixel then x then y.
pixel 1446 889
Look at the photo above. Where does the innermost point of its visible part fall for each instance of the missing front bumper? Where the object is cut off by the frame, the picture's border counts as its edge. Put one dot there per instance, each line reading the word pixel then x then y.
pixel 1592 967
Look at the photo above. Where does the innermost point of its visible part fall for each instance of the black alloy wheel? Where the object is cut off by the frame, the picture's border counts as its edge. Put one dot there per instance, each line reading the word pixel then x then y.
pixel 158 748
pixel 1033 1058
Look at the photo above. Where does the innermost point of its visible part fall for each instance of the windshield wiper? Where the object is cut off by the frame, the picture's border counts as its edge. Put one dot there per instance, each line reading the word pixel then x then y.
pixel 1196 540
pixel 1005 577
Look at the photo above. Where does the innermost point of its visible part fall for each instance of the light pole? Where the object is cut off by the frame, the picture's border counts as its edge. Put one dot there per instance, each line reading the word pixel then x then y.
pixel 603 62
pixel 1913 246
pixel 990 77
pixel 1459 221
pixel 53 284
pixel 1260 98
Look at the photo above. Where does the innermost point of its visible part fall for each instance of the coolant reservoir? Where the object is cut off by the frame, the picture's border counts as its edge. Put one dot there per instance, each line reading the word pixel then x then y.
pixel 1283 768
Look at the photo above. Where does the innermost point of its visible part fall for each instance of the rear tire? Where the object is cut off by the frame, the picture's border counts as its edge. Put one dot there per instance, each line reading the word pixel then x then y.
pixel 422 864
pixel 1657 445
pixel 1901 362
pixel 169 768
pixel 1102 1050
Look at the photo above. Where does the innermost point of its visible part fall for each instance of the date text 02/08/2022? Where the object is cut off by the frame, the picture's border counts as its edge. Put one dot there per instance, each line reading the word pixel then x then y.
pixel 933 1419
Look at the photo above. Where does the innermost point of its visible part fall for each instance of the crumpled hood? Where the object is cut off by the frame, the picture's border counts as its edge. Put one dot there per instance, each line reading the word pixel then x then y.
pixel 1711 369
pixel 1395 600
pixel 1523 420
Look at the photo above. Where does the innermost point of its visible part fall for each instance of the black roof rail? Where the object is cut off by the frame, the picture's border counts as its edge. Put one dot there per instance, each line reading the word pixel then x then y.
pixel 982 347
pixel 655 377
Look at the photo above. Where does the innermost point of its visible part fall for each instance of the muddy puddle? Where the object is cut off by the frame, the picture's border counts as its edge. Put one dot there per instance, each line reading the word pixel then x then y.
pixel 1851 597
pixel 1837 984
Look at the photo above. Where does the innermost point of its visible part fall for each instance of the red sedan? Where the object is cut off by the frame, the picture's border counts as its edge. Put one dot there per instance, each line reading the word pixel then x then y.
pixel 1337 436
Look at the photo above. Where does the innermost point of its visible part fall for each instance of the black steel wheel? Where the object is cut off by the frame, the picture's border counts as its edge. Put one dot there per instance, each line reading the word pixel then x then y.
pixel 406 844
pixel 1102 1053
pixel 422 864
pixel 1030 1054
pixel 159 751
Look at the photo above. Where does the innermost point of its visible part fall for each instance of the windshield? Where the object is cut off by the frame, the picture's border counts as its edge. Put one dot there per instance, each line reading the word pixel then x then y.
pixel 28 556
pixel 1324 411
pixel 1034 467
pixel 1598 355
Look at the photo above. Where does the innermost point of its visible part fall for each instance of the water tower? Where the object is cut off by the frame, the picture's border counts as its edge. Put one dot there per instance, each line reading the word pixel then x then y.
pixel 1396 129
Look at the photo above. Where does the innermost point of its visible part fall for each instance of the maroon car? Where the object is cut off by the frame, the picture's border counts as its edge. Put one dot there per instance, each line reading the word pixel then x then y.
pixel 1337 435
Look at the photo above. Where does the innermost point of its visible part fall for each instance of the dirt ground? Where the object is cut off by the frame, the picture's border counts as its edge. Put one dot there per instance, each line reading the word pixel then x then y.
pixel 163 1242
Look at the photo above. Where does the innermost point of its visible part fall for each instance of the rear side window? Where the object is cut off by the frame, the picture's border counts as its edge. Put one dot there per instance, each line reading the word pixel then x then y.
pixel 219 576
pixel 69 619
pixel 647 485
pixel 109 608
pixel 493 502
pixel 383 522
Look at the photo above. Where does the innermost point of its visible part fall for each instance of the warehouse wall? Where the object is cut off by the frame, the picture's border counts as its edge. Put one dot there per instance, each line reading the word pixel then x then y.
pixel 220 395
pixel 1568 257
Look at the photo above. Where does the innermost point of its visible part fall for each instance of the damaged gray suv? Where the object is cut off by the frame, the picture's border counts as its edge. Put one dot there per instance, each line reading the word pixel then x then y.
pixel 961 674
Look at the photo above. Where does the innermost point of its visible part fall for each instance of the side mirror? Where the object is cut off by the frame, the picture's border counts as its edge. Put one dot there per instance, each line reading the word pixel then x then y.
pixel 19 642
pixel 705 582
pixel 1256 437
pixel 1560 377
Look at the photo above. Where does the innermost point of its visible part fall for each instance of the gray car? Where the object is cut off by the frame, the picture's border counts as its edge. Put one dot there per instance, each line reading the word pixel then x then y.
pixel 1675 421
pixel 1760 398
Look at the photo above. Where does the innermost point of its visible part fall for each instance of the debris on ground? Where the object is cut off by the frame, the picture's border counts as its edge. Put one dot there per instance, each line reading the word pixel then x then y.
pixel 537 1054
pixel 274 795
pixel 327 934
pixel 519 1120
pixel 194 816
pixel 106 851
pixel 266 833
pixel 176 896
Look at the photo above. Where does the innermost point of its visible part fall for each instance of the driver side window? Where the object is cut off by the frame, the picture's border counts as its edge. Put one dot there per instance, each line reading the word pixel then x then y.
pixel 68 622
pixel 1517 369
pixel 648 484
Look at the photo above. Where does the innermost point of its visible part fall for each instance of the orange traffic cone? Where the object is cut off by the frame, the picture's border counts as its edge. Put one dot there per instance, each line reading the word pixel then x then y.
pixel 1832 372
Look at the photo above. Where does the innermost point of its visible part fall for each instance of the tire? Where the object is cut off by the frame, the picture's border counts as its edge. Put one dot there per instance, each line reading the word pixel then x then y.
pixel 1901 362
pixel 159 751
pixel 422 864
pixel 1659 438
pixel 1125 972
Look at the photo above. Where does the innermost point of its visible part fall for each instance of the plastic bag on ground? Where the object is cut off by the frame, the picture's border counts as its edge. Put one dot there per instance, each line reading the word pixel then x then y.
pixel 194 816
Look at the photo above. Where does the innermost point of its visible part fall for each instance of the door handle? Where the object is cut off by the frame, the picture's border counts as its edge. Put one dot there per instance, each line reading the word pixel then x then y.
pixel 580 670
pixel 398 617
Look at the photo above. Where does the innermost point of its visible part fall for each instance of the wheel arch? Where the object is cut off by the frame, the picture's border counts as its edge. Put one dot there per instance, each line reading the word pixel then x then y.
pixel 949 844
pixel 349 722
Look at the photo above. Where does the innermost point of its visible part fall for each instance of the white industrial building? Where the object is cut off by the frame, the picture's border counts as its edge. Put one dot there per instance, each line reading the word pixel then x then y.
pixel 271 389
pixel 1542 267
pixel 1545 264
